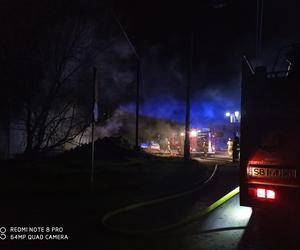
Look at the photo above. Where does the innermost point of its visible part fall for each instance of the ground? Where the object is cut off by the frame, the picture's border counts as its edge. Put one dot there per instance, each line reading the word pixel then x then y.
pixel 80 211
pixel 60 195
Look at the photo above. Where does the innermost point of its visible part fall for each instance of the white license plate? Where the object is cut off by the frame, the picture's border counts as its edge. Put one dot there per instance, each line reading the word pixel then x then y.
pixel 272 173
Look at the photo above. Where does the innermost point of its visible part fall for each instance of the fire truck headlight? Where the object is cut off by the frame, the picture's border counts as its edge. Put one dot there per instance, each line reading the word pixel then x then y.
pixel 261 193
pixel 271 194
pixel 265 193
pixel 193 133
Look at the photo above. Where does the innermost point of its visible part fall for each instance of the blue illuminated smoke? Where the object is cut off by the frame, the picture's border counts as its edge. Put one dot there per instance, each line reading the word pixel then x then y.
pixel 215 89
pixel 206 108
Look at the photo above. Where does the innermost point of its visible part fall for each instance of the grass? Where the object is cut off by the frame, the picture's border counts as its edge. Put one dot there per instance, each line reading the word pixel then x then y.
pixel 59 193
pixel 74 177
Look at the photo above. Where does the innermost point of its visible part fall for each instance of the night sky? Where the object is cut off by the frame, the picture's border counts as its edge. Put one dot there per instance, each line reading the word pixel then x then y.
pixel 222 31
pixel 162 35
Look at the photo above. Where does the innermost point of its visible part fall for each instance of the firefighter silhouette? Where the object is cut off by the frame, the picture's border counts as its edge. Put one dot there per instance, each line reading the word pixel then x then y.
pixel 205 148
pixel 230 147
pixel 168 146
pixel 235 149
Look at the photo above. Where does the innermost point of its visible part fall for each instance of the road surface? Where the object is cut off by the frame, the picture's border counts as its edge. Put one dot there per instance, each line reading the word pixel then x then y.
pixel 230 226
pixel 227 227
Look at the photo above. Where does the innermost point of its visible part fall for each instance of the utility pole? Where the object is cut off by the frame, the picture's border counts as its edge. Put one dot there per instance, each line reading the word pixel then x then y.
pixel 137 101
pixel 138 70
pixel 8 121
pixel 94 119
pixel 187 154
pixel 259 22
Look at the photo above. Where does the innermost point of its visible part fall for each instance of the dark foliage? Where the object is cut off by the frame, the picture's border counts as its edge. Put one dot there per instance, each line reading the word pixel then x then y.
pixel 108 148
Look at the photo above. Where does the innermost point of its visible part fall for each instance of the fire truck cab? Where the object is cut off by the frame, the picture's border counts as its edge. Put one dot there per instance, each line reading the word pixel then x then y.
pixel 270 136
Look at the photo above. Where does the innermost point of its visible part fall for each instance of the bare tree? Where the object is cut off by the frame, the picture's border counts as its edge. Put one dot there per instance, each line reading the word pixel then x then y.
pixel 52 115
pixel 46 56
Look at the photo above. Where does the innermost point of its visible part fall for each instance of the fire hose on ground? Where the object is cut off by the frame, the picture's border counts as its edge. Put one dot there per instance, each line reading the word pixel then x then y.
pixel 185 221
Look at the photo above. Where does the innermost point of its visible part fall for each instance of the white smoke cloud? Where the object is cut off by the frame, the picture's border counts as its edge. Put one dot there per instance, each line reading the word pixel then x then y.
pixel 111 127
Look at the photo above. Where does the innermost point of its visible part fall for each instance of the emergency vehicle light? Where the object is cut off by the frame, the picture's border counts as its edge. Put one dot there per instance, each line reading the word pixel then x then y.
pixel 263 193
pixel 270 194
pixel 193 133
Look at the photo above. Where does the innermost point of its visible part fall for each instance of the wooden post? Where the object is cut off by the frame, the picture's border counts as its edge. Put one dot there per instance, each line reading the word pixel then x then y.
pixel 94 117
pixel 187 154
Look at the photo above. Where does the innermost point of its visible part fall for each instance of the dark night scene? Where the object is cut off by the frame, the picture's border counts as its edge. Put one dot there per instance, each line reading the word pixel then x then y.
pixel 149 125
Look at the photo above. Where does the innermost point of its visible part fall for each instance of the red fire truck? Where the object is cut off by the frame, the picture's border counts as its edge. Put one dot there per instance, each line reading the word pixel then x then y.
pixel 202 141
pixel 270 135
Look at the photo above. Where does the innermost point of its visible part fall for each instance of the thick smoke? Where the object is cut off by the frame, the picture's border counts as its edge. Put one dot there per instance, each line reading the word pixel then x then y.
pixel 163 81
pixel 111 126
pixel 206 109
pixel 123 124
